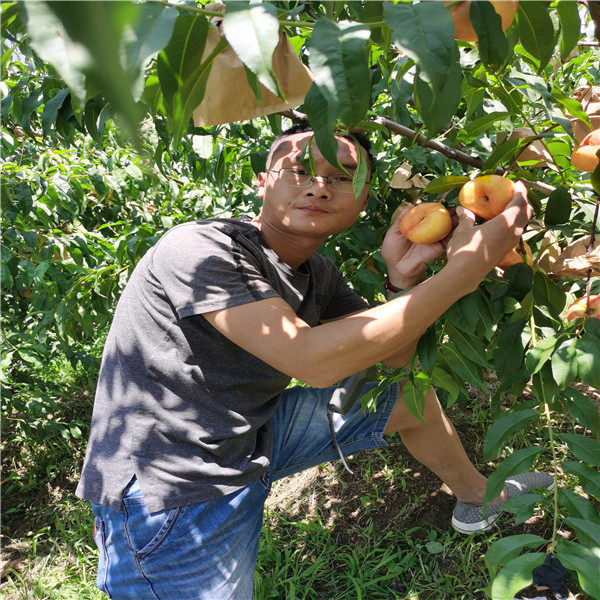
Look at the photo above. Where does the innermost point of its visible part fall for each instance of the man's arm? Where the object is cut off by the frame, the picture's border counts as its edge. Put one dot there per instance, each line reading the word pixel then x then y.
pixel 322 355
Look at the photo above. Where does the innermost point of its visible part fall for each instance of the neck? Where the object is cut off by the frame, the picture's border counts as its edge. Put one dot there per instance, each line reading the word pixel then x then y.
pixel 292 249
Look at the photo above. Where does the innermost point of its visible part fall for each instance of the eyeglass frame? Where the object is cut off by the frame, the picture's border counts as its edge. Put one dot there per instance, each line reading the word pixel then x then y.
pixel 313 178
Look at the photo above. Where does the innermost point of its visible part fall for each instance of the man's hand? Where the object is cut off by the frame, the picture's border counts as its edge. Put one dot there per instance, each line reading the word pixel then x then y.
pixel 477 249
pixel 406 261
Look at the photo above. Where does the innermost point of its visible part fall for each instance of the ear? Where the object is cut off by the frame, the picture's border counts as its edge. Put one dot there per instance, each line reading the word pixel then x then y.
pixel 262 182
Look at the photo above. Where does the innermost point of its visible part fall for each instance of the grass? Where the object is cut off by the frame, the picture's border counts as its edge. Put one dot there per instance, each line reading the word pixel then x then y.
pixel 382 534
pixel 304 561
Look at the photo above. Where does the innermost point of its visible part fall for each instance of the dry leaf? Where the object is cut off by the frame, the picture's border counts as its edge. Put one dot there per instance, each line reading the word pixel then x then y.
pixel 228 96
pixel 548 253
pixel 401 180
pixel 575 261
pixel 589 96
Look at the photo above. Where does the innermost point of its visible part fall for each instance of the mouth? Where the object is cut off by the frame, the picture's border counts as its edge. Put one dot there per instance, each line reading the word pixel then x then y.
pixel 311 209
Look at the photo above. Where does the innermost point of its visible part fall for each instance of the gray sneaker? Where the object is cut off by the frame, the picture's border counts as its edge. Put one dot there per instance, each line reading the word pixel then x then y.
pixel 469 518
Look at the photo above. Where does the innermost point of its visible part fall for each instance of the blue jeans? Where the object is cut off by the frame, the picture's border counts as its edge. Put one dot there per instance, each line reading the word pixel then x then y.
pixel 207 551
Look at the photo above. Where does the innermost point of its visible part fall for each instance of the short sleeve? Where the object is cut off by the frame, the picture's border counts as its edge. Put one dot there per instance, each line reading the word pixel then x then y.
pixel 203 267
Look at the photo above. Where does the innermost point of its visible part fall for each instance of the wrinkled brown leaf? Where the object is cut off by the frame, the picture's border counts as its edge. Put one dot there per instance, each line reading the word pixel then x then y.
pixel 575 261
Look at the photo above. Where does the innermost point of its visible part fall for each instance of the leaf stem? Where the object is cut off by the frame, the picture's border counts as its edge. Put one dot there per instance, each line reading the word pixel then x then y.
pixel 555 468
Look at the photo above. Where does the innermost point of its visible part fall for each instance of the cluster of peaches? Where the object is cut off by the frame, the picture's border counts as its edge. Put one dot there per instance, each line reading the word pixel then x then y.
pixel 487 196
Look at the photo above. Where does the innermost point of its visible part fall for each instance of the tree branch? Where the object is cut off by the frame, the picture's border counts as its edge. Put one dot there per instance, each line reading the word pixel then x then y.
pixel 421 140
pixel 594 8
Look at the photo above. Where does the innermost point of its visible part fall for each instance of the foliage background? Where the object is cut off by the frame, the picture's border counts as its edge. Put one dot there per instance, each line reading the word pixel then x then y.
pixel 99 158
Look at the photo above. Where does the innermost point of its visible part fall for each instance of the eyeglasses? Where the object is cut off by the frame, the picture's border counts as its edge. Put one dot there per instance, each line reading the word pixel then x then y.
pixel 304 179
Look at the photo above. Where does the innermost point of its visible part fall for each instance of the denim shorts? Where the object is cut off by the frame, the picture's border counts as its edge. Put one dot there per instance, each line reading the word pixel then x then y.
pixel 208 551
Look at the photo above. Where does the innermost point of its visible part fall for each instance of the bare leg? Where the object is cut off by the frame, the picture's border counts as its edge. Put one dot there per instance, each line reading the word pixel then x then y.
pixel 438 447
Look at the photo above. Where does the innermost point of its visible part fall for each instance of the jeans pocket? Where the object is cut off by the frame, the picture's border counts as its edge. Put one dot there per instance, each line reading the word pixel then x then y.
pixel 145 531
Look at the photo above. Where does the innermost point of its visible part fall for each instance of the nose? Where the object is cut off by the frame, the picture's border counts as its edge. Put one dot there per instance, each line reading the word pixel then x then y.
pixel 318 187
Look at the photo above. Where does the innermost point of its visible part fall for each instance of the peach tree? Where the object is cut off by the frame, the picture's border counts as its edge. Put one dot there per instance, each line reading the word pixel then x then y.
pixel 100 156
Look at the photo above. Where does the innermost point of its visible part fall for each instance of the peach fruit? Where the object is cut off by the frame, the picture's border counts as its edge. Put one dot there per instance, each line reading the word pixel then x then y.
pixel 517 255
pixel 426 223
pixel 460 13
pixel 584 156
pixel 487 196
pixel 577 309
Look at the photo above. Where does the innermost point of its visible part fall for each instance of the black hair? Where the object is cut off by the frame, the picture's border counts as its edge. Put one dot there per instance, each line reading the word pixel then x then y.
pixel 359 136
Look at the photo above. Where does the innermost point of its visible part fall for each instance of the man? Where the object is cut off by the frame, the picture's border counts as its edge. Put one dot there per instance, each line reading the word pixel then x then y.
pixel 192 421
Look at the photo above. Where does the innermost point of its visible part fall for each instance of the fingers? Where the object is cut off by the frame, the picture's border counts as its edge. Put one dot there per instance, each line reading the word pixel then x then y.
pixel 518 211
pixel 466 218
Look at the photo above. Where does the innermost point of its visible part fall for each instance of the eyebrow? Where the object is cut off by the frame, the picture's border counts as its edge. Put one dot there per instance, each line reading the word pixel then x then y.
pixel 296 160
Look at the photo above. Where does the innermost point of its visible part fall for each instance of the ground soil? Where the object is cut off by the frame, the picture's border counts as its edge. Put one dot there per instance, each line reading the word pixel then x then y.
pixel 419 500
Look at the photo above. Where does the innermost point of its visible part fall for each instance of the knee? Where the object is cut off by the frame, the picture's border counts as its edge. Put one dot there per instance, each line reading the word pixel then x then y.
pixel 402 420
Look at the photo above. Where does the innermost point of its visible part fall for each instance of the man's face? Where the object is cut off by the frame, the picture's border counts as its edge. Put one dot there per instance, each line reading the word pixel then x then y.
pixel 318 210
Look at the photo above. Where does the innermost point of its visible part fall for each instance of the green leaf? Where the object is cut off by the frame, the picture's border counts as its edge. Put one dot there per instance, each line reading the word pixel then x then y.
pixel 51 109
pixel 505 549
pixel 536 30
pixel 424 32
pixel 519 461
pixel 564 364
pixel 588 350
pixel 509 350
pixel 537 356
pixel 317 111
pixel 502 428
pixel 469 346
pixel 477 127
pixel 183 70
pixel 588 477
pixel 595 177
pixel 516 575
pixel 445 183
pixel 491 41
pixel 437 111
pixel 413 394
pixel 520 280
pixel 339 64
pixel 427 349
pixel 571 105
pixel 442 379
pixel 586 449
pixel 558 208
pixel 547 293
pixel 141 43
pixel 463 367
pixel 52 44
pixel 252 30
pixel 544 386
pixel 99 29
pixel 583 410
pixel 359 179
pixel 570 26
pixel 577 505
pixel 584 562
pixel 587 532
pixel 503 153
pixel 522 506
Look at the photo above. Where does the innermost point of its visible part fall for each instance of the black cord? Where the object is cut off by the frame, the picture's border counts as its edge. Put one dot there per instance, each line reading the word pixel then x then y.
pixel 337 447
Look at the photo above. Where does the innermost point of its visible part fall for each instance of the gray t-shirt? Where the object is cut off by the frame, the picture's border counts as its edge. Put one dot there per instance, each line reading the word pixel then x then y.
pixel 178 405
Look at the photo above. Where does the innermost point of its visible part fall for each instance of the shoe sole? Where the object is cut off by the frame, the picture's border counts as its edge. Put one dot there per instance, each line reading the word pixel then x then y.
pixel 469 528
